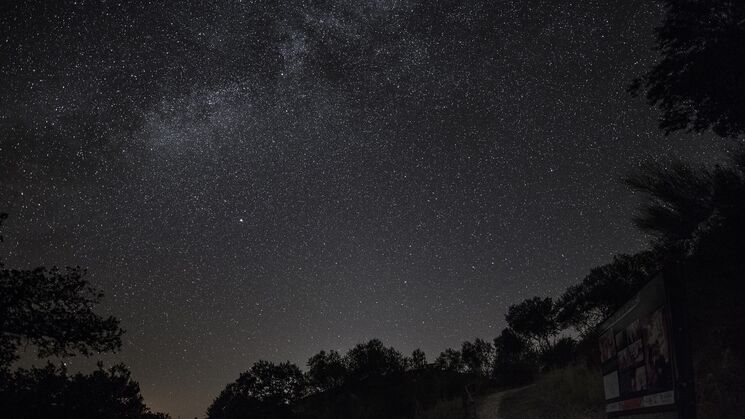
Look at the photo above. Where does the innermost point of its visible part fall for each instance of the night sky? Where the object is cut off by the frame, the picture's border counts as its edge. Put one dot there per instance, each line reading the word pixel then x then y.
pixel 262 180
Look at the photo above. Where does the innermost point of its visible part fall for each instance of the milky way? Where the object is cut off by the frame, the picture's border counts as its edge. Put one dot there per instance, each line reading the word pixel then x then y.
pixel 263 180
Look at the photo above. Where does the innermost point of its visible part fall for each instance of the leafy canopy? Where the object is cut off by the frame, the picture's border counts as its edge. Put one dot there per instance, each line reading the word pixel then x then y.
pixel 699 82
pixel 584 305
pixel 51 392
pixel 326 370
pixel 373 359
pixel 535 319
pixel 264 391
pixel 52 309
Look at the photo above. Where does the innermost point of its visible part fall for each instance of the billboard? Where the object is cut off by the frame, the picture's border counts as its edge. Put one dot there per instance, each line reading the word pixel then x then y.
pixel 637 354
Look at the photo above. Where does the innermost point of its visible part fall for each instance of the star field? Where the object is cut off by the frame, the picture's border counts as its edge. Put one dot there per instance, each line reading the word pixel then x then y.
pixel 262 180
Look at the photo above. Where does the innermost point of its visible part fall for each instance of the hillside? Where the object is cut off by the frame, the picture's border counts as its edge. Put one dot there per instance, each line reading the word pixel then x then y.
pixel 569 393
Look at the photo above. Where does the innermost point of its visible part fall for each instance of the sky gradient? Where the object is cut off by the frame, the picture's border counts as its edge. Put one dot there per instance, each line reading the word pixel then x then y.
pixel 262 180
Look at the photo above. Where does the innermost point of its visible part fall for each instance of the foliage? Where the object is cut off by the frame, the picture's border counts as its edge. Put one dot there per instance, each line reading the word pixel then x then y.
pixel 418 360
pixel 450 360
pixel 699 82
pixel 264 391
pixel 51 392
pixel 509 346
pixel 678 199
pixel 535 319
pixel 605 289
pixel 694 212
pixel 478 356
pixel 373 358
pixel 52 309
pixel 514 360
pixel 326 370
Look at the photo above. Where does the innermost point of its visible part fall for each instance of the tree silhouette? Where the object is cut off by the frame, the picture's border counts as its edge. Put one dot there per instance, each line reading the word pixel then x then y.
pixel 699 82
pixel 535 319
pixel 418 360
pixel 450 360
pixel 264 391
pixel 50 392
pixel 514 360
pixel 605 289
pixel 52 309
pixel 684 206
pixel 373 359
pixel 510 347
pixel 326 370
pixel 478 356
pixel 678 199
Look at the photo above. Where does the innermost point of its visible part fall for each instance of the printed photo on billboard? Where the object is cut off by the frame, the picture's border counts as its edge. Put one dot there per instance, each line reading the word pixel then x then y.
pixel 635 353
pixel 610 383
pixel 607 347
pixel 658 359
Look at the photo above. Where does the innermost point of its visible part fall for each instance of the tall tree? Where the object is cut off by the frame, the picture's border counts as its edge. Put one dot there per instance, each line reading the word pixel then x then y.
pixel 52 309
pixel 265 391
pixel 514 358
pixel 418 360
pixel 535 319
pixel 326 370
pixel 510 346
pixel 450 360
pixel 699 83
pixel 478 356
pixel 605 289
pixel 373 358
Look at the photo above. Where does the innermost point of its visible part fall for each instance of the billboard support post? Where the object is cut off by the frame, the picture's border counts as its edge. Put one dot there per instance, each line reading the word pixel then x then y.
pixel 685 383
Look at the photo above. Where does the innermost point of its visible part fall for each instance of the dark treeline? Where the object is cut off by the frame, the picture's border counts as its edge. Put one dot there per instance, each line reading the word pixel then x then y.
pixel 370 380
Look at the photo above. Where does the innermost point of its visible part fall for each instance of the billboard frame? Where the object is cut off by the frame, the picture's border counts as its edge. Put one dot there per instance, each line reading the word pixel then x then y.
pixel 675 325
